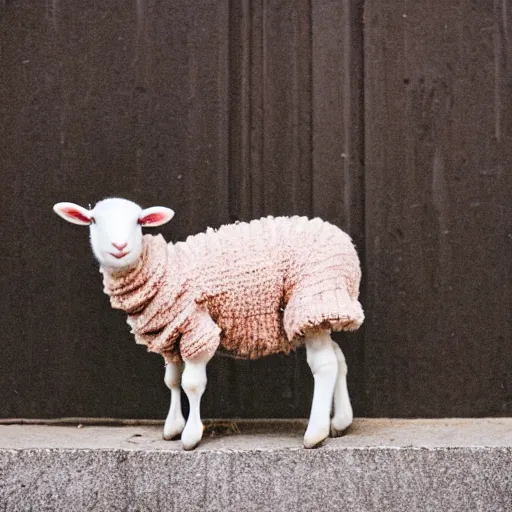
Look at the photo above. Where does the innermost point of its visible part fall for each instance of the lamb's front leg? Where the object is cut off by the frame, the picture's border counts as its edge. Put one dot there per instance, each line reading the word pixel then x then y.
pixel 322 360
pixel 194 384
pixel 175 421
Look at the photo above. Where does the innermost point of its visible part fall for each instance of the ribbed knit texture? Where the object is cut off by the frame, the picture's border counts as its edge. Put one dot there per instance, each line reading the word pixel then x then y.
pixel 253 288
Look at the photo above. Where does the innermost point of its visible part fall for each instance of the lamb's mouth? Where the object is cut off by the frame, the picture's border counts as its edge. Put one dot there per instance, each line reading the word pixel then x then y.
pixel 119 255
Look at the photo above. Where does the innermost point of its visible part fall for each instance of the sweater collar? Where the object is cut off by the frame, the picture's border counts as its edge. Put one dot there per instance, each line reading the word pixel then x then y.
pixel 125 287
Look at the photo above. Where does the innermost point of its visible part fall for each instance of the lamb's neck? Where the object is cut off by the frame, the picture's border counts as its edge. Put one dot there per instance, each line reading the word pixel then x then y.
pixel 115 274
pixel 133 289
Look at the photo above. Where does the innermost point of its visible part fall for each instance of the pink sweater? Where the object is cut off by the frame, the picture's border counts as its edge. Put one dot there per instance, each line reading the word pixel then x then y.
pixel 250 289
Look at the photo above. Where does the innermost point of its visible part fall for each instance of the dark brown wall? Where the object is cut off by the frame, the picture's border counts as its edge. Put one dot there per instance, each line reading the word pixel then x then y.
pixel 438 193
pixel 230 110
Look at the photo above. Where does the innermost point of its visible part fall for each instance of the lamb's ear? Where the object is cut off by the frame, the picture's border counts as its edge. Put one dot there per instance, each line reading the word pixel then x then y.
pixel 73 213
pixel 155 216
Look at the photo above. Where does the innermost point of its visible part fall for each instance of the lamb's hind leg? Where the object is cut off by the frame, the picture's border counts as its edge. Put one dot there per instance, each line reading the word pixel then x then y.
pixel 324 365
pixel 194 384
pixel 175 421
pixel 343 415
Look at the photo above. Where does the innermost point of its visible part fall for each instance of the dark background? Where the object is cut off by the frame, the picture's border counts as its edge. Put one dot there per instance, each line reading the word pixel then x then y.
pixel 391 119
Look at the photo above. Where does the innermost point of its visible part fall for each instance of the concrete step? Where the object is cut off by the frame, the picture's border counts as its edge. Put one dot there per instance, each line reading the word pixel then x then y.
pixel 380 465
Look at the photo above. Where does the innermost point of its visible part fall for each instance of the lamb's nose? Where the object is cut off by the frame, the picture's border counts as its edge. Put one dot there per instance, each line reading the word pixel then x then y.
pixel 119 247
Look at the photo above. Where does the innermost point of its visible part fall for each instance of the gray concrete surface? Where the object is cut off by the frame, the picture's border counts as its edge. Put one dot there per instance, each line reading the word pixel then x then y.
pixel 380 465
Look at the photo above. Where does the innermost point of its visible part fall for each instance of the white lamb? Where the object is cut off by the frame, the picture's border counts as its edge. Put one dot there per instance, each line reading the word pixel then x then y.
pixel 246 290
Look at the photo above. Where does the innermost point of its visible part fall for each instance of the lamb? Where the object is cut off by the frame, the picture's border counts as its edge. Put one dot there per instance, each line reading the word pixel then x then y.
pixel 246 290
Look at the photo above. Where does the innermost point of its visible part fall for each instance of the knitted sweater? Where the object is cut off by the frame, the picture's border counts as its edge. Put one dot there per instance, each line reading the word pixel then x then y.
pixel 249 289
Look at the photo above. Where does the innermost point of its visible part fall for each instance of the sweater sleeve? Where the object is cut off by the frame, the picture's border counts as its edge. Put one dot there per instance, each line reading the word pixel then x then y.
pixel 202 335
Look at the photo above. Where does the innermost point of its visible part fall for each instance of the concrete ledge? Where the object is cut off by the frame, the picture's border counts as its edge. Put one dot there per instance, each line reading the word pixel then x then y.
pixel 380 465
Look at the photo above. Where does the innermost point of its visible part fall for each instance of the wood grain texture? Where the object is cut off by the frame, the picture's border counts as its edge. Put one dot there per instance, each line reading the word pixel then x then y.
pixel 438 185
pixel 338 143
pixel 270 91
pixel 98 100
pixel 270 165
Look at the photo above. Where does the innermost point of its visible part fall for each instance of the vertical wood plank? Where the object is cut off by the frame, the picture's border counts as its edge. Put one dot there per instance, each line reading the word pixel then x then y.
pixel 338 138
pixel 438 187
pixel 270 158
pixel 240 109
pixel 286 144
pixel 271 108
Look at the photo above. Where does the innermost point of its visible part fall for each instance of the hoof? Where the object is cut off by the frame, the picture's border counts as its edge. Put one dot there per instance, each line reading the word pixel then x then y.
pixel 191 446
pixel 173 430
pixel 315 437
pixel 191 437
pixel 340 426
pixel 339 433
pixel 171 437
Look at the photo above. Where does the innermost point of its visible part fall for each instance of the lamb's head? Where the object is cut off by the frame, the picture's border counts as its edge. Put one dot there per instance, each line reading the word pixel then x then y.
pixel 115 227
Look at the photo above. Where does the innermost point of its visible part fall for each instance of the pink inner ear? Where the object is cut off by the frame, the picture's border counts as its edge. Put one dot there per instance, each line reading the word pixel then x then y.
pixel 152 217
pixel 76 215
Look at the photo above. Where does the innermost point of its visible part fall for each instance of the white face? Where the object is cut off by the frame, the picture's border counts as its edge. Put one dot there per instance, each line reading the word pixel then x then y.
pixel 116 235
pixel 115 228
